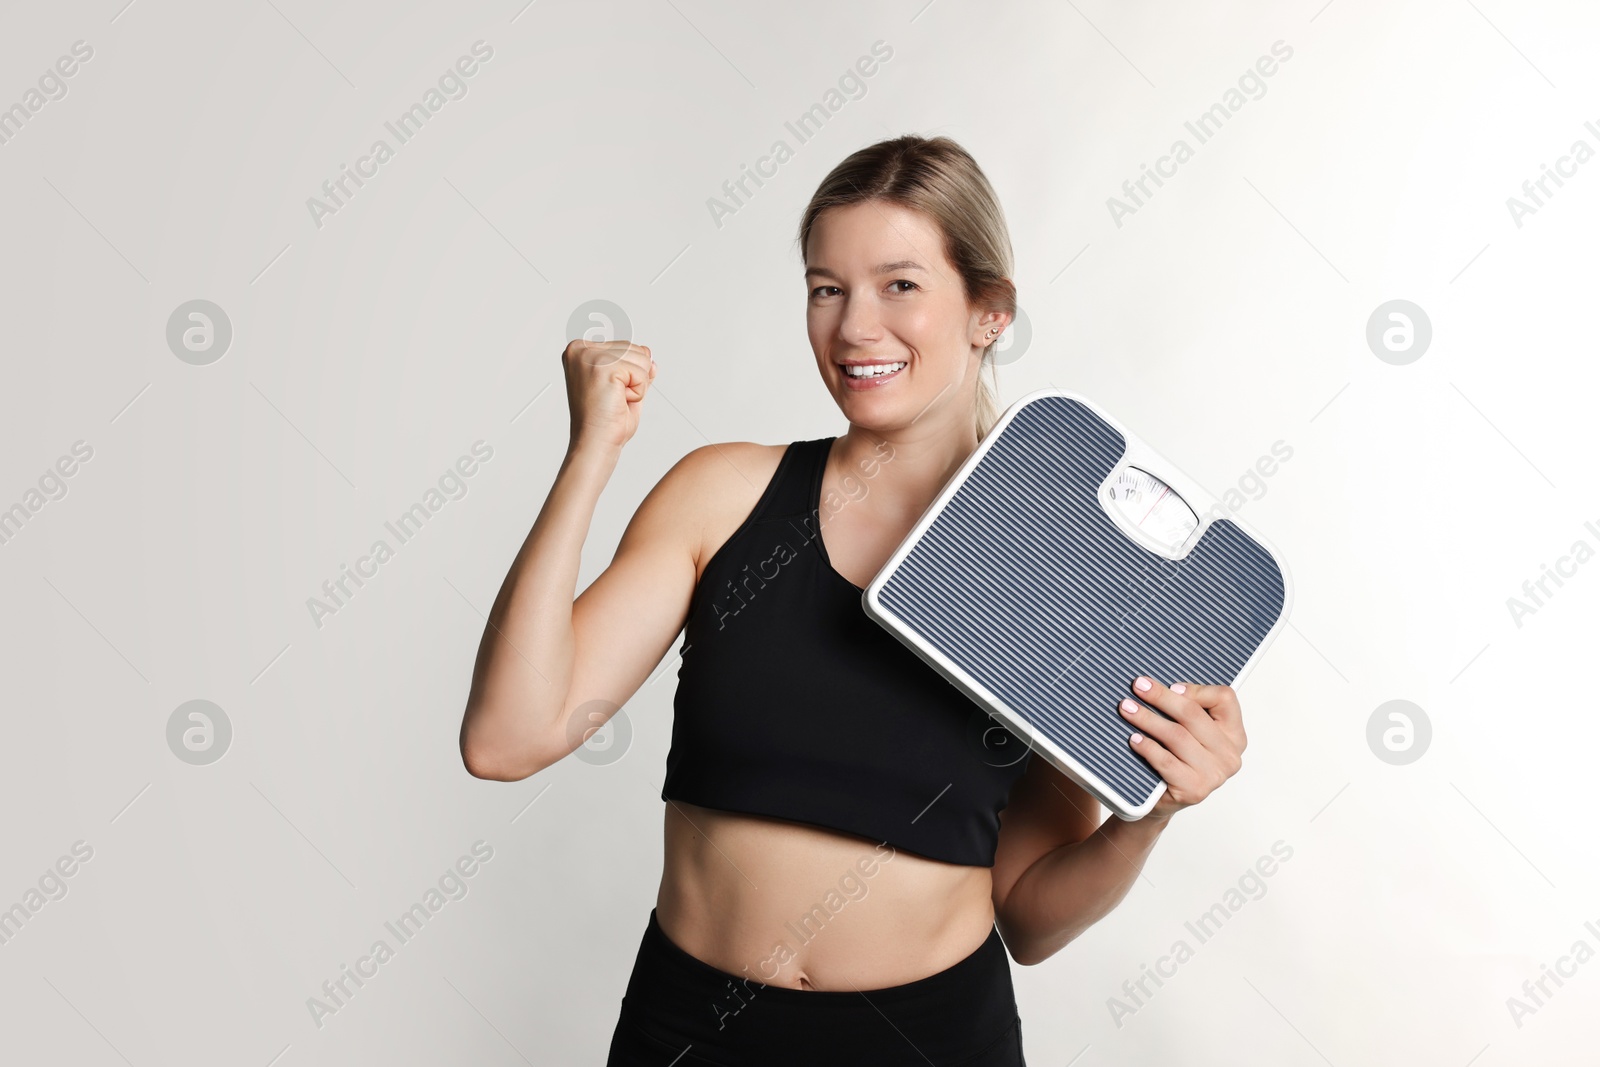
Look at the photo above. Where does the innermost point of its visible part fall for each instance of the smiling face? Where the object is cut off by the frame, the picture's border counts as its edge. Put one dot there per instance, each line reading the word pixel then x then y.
pixel 883 298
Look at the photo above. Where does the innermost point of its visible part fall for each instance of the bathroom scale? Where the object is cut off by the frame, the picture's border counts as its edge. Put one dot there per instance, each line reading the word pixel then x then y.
pixel 1063 559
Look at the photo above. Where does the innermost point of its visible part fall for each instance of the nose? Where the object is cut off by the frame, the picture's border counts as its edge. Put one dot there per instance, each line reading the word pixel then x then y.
pixel 859 325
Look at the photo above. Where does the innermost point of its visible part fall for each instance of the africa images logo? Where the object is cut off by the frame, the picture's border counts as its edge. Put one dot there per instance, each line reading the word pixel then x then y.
pixel 452 85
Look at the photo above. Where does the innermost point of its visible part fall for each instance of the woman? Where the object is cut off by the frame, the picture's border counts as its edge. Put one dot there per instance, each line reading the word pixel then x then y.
pixel 849 855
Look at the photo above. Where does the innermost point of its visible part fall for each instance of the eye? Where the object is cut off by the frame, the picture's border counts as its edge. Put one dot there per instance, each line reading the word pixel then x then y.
pixel 818 290
pixel 904 281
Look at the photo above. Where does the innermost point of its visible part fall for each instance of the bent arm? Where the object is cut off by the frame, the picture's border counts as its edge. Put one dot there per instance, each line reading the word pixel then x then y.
pixel 1074 886
pixel 1058 868
pixel 543 654
pixel 525 657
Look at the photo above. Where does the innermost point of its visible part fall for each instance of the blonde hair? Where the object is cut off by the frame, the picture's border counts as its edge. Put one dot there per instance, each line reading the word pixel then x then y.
pixel 936 176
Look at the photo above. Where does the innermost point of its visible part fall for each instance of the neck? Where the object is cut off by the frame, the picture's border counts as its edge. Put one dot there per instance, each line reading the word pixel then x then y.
pixel 903 469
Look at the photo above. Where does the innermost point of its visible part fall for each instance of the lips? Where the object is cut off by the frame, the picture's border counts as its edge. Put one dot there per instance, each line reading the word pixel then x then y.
pixel 873 381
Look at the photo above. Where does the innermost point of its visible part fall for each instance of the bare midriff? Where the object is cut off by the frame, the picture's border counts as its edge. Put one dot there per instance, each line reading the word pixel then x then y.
pixel 798 906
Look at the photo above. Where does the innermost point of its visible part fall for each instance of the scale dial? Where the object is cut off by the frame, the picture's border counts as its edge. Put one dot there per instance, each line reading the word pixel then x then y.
pixel 1153 506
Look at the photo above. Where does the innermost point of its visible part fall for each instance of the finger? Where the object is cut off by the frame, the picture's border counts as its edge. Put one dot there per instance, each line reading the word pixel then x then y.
pixel 1176 773
pixel 1174 737
pixel 1221 705
pixel 1214 698
pixel 607 353
pixel 647 375
pixel 1179 705
pixel 631 370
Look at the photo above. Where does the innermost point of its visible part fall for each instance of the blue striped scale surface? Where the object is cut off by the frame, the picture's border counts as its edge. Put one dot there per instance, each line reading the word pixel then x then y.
pixel 1021 590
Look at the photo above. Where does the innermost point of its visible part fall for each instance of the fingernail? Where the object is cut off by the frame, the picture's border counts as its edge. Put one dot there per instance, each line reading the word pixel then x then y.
pixel 1136 739
pixel 1180 688
pixel 1129 706
pixel 1141 684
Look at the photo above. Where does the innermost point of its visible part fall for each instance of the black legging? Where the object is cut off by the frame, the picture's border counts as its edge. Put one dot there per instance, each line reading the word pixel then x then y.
pixel 681 1011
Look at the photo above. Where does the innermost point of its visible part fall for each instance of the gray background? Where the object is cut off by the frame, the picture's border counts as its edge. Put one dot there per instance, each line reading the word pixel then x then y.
pixel 1227 313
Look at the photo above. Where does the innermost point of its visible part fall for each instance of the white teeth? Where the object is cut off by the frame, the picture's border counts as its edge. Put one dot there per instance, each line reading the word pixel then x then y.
pixel 872 370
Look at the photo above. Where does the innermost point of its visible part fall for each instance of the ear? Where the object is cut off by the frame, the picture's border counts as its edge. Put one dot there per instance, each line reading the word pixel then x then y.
pixel 990 326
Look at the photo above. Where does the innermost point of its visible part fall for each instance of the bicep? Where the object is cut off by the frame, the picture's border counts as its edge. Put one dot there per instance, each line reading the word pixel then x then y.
pixel 1045 810
pixel 628 617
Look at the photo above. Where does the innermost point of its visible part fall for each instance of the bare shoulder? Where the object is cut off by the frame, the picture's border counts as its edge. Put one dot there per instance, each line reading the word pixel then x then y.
pixel 731 463
pixel 720 485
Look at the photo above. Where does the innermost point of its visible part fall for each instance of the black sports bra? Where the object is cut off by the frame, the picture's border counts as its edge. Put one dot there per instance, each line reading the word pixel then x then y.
pixel 793 703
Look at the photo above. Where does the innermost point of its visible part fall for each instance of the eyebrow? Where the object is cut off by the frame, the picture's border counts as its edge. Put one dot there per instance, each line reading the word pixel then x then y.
pixel 881 268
